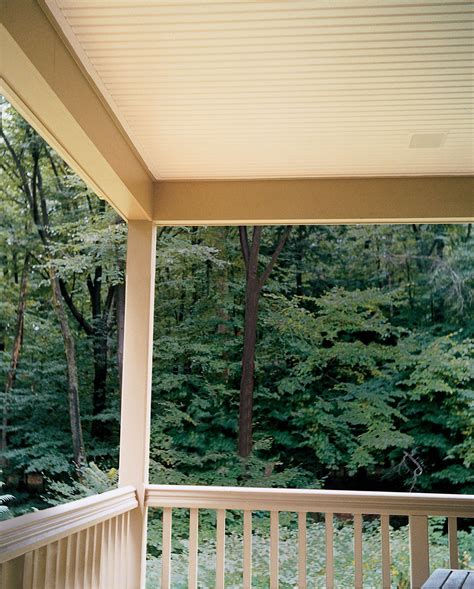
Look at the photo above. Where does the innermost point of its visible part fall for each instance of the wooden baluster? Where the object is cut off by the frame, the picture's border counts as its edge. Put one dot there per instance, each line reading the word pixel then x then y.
pixel 274 549
pixel 42 559
pixel 329 525
pixel 28 571
pixel 50 564
pixel 110 553
pixel 11 573
pixel 118 552
pixel 79 564
pixel 127 546
pixel 60 575
pixel 104 556
pixel 34 575
pixel 453 542
pixel 358 576
pixel 220 549
pixel 193 548
pixel 123 550
pixel 385 541
pixel 107 554
pixel 39 568
pixel 70 561
pixel 302 582
pixel 166 550
pixel 97 573
pixel 95 569
pixel 419 550
pixel 247 550
pixel 86 575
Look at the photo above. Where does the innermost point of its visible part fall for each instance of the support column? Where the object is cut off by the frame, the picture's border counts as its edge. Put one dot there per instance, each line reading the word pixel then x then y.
pixel 136 386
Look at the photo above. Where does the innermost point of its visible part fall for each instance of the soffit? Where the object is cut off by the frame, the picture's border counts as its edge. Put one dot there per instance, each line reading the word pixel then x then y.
pixel 289 89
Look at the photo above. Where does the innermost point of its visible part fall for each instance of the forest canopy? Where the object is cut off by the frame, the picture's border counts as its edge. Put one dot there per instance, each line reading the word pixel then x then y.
pixel 363 364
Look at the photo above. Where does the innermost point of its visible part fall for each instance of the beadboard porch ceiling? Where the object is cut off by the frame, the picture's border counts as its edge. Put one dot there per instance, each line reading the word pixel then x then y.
pixel 289 89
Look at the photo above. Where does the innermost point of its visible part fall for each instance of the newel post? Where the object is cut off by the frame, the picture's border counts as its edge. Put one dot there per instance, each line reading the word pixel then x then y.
pixel 136 386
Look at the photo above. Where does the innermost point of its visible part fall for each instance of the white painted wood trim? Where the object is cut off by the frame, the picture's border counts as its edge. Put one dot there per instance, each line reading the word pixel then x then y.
pixel 33 530
pixel 220 549
pixel 247 555
pixel 419 550
pixel 418 199
pixel 385 545
pixel 329 534
pixel 274 549
pixel 453 542
pixel 166 548
pixel 137 355
pixel 11 573
pixel 302 550
pixel 358 578
pixel 136 384
pixel 317 501
pixel 193 548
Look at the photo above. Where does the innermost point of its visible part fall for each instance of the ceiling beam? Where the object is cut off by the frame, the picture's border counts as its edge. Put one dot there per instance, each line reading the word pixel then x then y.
pixel 43 80
pixel 435 199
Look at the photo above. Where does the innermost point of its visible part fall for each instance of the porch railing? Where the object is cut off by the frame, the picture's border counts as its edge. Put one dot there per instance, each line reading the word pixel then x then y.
pixel 418 507
pixel 85 544
pixel 82 544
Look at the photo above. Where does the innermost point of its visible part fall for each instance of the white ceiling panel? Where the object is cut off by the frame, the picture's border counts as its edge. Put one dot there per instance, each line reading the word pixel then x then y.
pixel 295 88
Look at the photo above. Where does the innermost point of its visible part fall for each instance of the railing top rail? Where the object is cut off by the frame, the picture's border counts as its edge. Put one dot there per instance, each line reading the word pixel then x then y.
pixel 317 501
pixel 33 530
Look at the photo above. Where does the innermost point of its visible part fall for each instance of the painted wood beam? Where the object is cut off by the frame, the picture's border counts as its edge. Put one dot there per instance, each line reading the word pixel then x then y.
pixel 136 384
pixel 432 199
pixel 45 82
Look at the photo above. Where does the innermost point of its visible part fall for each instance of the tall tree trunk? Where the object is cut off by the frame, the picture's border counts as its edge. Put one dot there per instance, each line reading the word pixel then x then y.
pixel 252 295
pixel 97 330
pixel 299 260
pixel 253 286
pixel 99 347
pixel 18 341
pixel 100 353
pixel 248 372
pixel 73 385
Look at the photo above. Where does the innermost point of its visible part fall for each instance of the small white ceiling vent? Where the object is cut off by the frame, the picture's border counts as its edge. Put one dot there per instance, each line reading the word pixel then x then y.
pixel 427 139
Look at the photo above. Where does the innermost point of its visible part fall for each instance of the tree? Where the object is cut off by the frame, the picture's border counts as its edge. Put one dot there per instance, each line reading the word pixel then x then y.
pixel 19 330
pixel 254 283
pixel 32 186
pixel 96 258
pixel 358 349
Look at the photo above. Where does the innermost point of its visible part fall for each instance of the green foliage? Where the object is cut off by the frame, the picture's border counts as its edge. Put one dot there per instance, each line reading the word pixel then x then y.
pixel 4 500
pixel 364 364
pixel 439 410
pixel 92 482
pixel 86 247
pixel 338 356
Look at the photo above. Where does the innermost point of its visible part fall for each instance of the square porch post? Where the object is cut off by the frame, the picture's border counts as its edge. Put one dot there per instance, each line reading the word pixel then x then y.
pixel 136 386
